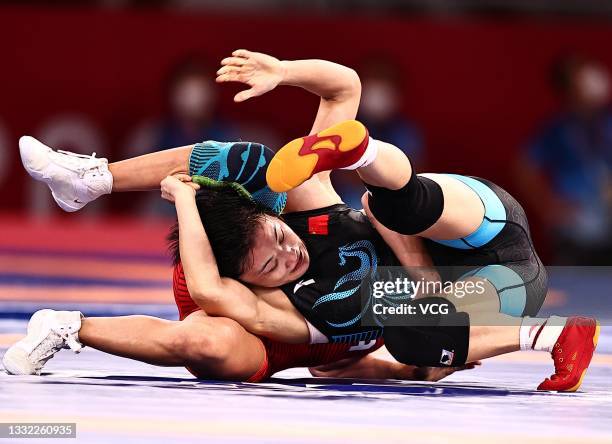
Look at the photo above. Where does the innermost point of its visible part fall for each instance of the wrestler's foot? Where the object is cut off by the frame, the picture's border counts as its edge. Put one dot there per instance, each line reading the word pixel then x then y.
pixel 572 354
pixel 340 146
pixel 241 162
pixel 74 179
pixel 48 332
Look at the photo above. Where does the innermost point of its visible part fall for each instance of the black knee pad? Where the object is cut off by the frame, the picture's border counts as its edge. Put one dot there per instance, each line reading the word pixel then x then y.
pixel 431 346
pixel 409 210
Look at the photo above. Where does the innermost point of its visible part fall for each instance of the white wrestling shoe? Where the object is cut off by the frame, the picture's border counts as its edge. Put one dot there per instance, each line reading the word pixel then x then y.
pixel 48 332
pixel 74 179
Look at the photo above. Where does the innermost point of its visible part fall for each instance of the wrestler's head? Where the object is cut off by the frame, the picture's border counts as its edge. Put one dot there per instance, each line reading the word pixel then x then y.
pixel 249 241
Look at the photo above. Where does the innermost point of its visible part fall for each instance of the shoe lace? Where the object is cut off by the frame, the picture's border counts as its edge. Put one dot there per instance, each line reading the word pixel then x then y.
pixel 560 365
pixel 52 344
pixel 46 349
pixel 93 163
pixel 41 363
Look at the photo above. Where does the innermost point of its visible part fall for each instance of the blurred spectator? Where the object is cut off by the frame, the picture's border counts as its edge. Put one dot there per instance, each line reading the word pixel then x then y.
pixel 191 104
pixel 191 116
pixel 381 108
pixel 567 171
pixel 382 111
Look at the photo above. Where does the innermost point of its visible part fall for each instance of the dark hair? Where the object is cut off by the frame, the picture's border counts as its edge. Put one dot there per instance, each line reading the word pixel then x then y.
pixel 382 66
pixel 191 65
pixel 563 70
pixel 230 220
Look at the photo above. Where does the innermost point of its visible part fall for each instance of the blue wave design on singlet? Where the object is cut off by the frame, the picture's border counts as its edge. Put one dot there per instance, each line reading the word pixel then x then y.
pixel 366 253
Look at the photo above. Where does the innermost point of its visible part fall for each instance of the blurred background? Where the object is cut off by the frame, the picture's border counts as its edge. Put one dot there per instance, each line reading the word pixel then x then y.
pixel 514 91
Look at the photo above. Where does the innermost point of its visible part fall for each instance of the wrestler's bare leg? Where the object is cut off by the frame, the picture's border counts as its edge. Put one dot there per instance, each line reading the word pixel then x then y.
pixel 463 210
pixel 147 171
pixel 496 339
pixel 211 347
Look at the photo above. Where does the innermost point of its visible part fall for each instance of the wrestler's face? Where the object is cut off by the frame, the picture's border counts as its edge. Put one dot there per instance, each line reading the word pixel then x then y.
pixel 278 255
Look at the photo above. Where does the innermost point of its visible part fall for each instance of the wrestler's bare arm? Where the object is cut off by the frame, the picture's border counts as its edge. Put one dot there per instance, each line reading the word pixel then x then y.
pixel 338 87
pixel 262 311
pixel 373 367
pixel 265 311
pixel 219 296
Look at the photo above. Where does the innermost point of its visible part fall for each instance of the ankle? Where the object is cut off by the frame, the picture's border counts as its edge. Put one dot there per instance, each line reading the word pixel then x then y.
pixel 541 334
pixel 387 167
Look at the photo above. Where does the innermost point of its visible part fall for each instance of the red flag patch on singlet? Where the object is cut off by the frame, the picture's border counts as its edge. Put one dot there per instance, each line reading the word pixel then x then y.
pixel 319 224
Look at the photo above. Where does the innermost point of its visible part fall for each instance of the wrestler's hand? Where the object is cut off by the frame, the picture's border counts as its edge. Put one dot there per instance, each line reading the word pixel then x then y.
pixel 261 72
pixel 370 367
pixel 436 373
pixel 179 184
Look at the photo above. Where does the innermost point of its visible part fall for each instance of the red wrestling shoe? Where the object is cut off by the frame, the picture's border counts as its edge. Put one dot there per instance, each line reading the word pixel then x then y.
pixel 336 147
pixel 572 354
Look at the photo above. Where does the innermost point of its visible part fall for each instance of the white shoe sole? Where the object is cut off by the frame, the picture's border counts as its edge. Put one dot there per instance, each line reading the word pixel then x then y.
pixel 15 360
pixel 64 206
pixel 32 152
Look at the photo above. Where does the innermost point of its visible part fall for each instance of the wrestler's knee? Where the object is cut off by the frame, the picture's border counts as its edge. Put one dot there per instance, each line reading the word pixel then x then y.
pixel 211 339
pixel 444 344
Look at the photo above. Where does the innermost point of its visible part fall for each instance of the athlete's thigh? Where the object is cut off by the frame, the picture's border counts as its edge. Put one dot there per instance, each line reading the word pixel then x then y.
pixel 235 353
pixel 519 276
pixel 462 212
pixel 317 192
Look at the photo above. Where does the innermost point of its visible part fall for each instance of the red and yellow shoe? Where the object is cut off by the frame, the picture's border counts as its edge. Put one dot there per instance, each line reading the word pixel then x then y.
pixel 336 147
pixel 572 354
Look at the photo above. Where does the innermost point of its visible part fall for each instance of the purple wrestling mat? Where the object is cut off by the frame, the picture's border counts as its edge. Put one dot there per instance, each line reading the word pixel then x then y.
pixel 117 400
